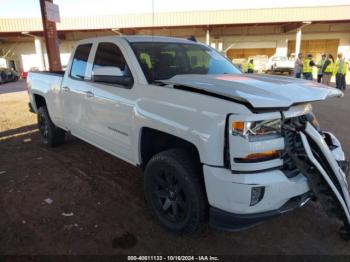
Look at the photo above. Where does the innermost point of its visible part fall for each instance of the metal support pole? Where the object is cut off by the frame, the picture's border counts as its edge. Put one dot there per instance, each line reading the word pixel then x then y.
pixel 297 43
pixel 207 37
pixel 51 39
pixel 39 52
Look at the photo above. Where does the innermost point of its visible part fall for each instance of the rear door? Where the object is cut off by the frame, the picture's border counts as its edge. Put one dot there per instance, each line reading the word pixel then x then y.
pixel 76 92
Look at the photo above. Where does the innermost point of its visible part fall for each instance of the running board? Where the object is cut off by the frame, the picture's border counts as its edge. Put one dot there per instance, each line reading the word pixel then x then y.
pixel 312 156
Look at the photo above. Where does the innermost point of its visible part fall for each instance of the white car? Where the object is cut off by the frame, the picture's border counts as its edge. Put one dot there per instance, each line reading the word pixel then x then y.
pixel 212 142
pixel 280 64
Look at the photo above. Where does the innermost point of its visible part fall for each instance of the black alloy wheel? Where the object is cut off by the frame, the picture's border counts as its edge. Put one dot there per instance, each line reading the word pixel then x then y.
pixel 51 135
pixel 43 126
pixel 169 196
pixel 174 190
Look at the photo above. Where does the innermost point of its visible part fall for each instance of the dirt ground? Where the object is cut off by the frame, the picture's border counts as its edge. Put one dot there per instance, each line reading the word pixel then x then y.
pixel 98 205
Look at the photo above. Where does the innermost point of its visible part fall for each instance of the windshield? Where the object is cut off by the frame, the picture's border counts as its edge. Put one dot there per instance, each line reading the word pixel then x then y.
pixel 161 61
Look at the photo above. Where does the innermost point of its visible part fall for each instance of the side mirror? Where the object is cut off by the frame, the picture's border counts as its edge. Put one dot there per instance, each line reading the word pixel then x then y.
pixel 111 75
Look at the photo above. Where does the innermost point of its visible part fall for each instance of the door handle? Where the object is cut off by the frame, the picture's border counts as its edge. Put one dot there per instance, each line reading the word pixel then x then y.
pixel 89 94
pixel 65 88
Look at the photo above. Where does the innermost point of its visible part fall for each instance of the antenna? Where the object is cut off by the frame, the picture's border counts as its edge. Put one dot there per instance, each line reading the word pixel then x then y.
pixel 152 33
pixel 152 30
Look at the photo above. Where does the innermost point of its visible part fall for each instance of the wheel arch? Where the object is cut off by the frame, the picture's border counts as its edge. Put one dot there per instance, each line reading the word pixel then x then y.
pixel 153 141
pixel 39 101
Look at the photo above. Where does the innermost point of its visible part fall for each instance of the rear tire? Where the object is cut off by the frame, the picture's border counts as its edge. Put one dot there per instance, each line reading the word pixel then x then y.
pixel 174 191
pixel 51 135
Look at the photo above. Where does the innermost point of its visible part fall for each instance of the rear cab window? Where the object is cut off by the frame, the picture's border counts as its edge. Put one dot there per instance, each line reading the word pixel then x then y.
pixel 80 60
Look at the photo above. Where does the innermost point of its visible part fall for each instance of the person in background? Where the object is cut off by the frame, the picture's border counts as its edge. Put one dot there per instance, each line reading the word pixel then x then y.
pixel 251 66
pixel 298 65
pixel 308 64
pixel 320 66
pixel 341 67
pixel 328 69
pixel 244 67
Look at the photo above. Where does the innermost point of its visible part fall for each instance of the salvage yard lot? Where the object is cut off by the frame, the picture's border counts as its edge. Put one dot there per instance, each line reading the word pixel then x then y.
pixel 98 206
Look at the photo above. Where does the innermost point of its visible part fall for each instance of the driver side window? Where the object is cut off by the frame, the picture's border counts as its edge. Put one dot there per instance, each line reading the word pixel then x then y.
pixel 109 54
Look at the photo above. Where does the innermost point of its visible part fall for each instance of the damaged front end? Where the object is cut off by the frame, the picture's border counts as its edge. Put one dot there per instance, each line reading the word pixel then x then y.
pixel 318 155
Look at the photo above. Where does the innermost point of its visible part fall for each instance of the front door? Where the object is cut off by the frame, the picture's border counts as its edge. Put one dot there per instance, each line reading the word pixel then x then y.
pixel 111 107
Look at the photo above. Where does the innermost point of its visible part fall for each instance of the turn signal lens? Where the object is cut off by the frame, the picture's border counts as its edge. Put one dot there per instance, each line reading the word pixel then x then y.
pixel 258 157
pixel 238 126
pixel 271 153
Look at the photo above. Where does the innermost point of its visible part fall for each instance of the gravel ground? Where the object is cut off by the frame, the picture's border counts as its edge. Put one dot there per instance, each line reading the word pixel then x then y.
pixel 76 199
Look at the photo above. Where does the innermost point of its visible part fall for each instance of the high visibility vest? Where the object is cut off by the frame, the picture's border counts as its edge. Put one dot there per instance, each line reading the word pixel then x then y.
pixel 244 67
pixel 343 69
pixel 306 66
pixel 329 68
pixel 251 66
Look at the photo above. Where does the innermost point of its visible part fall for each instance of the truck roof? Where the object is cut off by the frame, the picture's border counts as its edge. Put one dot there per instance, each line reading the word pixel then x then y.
pixel 149 38
pixel 141 38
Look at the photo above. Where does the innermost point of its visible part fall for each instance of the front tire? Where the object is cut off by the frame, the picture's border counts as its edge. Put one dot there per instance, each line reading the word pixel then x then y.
pixel 174 191
pixel 51 135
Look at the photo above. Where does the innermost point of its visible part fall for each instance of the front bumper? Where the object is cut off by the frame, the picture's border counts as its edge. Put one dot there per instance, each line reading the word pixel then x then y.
pixel 232 192
pixel 283 69
pixel 223 220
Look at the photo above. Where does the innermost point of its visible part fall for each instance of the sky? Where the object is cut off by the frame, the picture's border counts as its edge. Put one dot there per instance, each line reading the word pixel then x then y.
pixel 31 8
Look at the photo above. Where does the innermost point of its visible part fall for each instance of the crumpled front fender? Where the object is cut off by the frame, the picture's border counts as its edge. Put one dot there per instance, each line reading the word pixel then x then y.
pixel 318 156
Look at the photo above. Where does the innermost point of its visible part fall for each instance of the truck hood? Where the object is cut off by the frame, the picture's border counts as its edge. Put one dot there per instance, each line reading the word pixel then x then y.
pixel 259 91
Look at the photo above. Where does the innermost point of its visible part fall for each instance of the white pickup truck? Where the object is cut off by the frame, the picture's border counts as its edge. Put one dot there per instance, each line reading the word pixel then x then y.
pixel 279 64
pixel 212 142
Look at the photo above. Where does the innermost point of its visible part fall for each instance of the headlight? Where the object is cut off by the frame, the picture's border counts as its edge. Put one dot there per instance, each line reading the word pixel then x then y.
pixel 257 128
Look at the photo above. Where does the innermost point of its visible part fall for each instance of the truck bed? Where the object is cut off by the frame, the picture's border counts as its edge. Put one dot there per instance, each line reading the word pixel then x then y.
pixel 59 73
pixel 43 83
